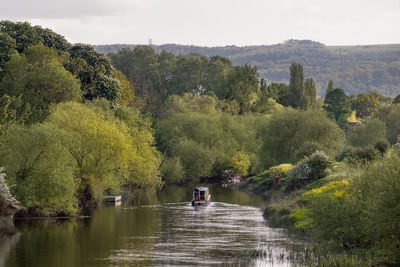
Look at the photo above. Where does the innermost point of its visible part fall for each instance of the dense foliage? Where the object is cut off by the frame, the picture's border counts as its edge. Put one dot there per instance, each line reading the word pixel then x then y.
pixel 60 154
pixel 355 69
pixel 201 141
pixel 291 135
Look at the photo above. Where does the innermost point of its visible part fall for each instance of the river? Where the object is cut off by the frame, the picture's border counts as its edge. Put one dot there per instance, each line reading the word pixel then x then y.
pixel 155 229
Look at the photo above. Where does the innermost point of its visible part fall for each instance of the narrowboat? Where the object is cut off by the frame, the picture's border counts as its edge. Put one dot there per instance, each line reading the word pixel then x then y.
pixel 201 196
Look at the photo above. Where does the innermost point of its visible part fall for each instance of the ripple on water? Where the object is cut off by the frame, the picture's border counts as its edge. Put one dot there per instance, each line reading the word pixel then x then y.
pixel 218 234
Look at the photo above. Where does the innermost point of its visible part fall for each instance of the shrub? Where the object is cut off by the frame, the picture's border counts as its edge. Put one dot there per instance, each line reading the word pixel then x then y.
pixel 309 169
pixel 382 147
pixel 361 155
pixel 8 203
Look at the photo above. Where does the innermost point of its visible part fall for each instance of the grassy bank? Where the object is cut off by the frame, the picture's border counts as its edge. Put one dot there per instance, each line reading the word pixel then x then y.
pixel 352 212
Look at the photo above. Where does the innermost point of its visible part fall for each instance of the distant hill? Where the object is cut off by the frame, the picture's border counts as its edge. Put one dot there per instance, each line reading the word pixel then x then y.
pixel 356 69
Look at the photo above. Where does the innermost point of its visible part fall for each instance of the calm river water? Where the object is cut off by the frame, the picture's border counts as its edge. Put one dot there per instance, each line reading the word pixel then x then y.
pixel 160 229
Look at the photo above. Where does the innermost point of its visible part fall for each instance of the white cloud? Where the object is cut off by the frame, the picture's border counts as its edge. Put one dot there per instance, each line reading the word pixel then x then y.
pixel 61 9
pixel 211 22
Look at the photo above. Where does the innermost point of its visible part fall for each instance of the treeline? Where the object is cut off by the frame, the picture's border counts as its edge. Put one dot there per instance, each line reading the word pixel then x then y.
pixel 356 69
pixel 67 135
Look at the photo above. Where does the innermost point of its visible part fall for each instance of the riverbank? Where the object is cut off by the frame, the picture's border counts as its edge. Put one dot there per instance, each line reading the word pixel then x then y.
pixel 350 213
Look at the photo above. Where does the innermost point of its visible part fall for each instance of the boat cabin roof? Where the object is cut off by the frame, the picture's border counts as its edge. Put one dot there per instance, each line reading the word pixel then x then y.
pixel 201 189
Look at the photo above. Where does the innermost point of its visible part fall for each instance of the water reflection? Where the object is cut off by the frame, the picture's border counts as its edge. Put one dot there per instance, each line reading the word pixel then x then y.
pixel 156 229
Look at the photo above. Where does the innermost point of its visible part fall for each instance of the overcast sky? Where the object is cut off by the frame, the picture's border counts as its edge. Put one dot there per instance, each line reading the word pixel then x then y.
pixel 213 22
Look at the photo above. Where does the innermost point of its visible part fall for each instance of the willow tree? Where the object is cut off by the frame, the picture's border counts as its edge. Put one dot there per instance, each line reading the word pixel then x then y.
pixel 108 151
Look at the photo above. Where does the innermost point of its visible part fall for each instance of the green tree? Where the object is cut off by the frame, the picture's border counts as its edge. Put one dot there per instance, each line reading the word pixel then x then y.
pixel 337 106
pixel 95 72
pixel 39 77
pixel 390 115
pixel 166 64
pixel 141 68
pixel 107 151
pixel 41 169
pixel 22 32
pixel 7 50
pixel 330 87
pixel 308 98
pixel 280 92
pixel 52 39
pixel 368 133
pixel 127 92
pixel 296 84
pixel 242 84
pixel 291 134
pixel 365 104
pixel 189 75
pixel 217 70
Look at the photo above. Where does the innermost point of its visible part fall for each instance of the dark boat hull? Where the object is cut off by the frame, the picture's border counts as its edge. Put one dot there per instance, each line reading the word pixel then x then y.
pixel 196 203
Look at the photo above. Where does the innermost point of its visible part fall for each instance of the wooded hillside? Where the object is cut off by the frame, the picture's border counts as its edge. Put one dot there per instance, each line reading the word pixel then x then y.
pixel 356 69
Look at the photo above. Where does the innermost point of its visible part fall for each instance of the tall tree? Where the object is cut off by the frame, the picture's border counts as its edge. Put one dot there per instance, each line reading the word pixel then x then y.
pixel 189 75
pixel 337 105
pixel 217 70
pixel 308 97
pixel 242 82
pixel 330 87
pixel 296 84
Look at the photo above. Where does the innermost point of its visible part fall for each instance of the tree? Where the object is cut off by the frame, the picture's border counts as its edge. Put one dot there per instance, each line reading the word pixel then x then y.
pixel 279 92
pixel 296 84
pixel 166 64
pixel 52 39
pixel 330 87
pixel 39 78
pixel 12 110
pixel 365 104
pixel 95 72
pixel 217 70
pixel 368 133
pixel 22 32
pixel 308 98
pixel 127 93
pixel 41 169
pixel 337 106
pixel 242 83
pixel 189 75
pixel 390 115
pixel 7 50
pixel 108 151
pixel 291 134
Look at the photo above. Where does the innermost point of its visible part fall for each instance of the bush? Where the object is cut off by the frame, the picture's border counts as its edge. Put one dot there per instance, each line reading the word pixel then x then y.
pixel 309 169
pixel 8 203
pixel 363 211
pixel 382 147
pixel 361 155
